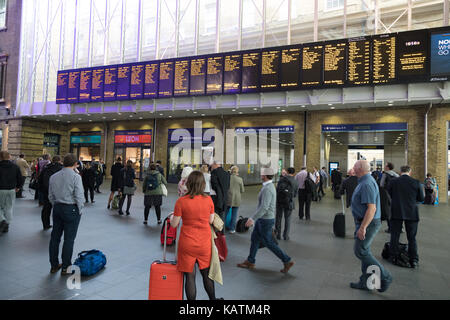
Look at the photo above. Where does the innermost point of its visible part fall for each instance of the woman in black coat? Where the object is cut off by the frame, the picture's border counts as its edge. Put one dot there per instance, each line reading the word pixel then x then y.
pixel 88 177
pixel 126 186
pixel 115 173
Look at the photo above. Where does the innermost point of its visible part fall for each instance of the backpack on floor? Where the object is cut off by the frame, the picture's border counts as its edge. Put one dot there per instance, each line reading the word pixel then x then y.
pixel 115 202
pixel 171 233
pixel 90 262
pixel 401 260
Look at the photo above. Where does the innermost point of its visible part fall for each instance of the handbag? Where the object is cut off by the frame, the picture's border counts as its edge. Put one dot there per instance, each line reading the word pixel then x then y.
pixel 164 190
pixel 218 222
pixel 221 245
pixel 129 190
pixel 240 225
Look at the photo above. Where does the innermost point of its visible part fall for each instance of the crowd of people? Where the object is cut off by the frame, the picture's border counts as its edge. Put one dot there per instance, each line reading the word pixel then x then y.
pixel 64 187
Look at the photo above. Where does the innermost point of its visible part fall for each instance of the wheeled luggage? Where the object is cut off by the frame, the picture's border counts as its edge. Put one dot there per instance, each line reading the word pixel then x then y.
pixel 337 193
pixel 166 282
pixel 339 222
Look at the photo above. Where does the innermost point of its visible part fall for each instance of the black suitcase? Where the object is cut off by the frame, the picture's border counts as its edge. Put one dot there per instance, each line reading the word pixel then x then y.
pixel 337 193
pixel 339 222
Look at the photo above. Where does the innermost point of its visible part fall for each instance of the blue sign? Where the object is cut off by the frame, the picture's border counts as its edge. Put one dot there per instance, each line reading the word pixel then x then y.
pixel 440 54
pixel 281 129
pixel 85 139
pixel 177 138
pixel 400 126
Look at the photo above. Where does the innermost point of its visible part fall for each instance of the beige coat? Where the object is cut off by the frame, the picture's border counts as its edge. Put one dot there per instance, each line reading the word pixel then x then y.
pixel 234 193
pixel 215 272
pixel 24 167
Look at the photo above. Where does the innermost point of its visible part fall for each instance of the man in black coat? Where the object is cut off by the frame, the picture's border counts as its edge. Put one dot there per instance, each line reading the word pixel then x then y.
pixel 405 192
pixel 44 179
pixel 336 178
pixel 348 186
pixel 220 184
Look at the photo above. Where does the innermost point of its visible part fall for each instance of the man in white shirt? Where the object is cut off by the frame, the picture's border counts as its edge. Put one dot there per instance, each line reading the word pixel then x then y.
pixel 304 193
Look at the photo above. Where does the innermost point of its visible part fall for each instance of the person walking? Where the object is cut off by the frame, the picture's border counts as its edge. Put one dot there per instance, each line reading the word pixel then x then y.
pixel 44 183
pixel 153 193
pixel 367 214
pixel 385 199
pixel 316 193
pixel 41 166
pixel 265 220
pixel 348 186
pixel 234 196
pixel 430 189
pixel 207 176
pixel 405 192
pixel 127 186
pixel 88 176
pixel 220 184
pixel 115 173
pixel 197 211
pixel 336 179
pixel 182 188
pixel 98 169
pixel 10 182
pixel 24 170
pixel 287 189
pixel 323 180
pixel 66 196
pixel 305 192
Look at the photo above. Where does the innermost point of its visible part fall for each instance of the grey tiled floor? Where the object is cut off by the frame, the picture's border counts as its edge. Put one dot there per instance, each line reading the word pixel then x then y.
pixel 324 265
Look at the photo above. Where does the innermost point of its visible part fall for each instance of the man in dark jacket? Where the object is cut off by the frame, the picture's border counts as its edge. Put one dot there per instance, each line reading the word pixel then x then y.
pixel 405 192
pixel 348 186
pixel 44 179
pixel 286 192
pixel 220 183
pixel 336 179
pixel 88 176
pixel 385 198
pixel 10 182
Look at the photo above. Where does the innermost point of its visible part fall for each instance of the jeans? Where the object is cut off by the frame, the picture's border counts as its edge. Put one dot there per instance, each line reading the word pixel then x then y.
pixel 7 198
pixel 234 212
pixel 66 218
pixel 304 201
pixel 287 221
pixel 262 232
pixel 411 232
pixel 363 253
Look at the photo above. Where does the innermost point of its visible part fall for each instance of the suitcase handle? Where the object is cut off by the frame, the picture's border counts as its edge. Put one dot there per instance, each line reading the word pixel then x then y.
pixel 343 203
pixel 166 222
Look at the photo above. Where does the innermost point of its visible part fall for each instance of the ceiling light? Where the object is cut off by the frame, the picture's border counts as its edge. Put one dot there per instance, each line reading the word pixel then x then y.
pixel 256 109
pixel 79 118
pixel 170 116
pixel 240 112
pixel 203 114
pixel 90 120
pixel 119 114
pixel 57 120
pixel 114 119
pixel 332 108
pixel 141 118
pixel 283 110
pixel 330 104
pixel 233 110
pixel 391 101
pixel 195 112
pixel 103 117
pixel 68 121
pixel 131 116
pixel 278 107
pixel 88 114
pixel 303 106
pixel 161 114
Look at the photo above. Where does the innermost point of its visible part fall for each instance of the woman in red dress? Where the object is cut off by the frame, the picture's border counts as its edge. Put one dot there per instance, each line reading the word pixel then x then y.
pixel 197 211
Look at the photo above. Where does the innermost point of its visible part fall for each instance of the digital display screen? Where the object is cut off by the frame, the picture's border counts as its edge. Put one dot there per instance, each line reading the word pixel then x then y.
pixel 250 71
pixel 61 87
pixel 334 63
pixel 123 82
pixel 151 80
pixel 440 55
pixel 181 78
pixel 85 86
pixel 98 79
pixel 412 53
pixel 312 60
pixel 137 81
pixel 270 69
pixel 290 68
pixel 110 86
pixel 214 75
pixel 358 66
pixel 73 87
pixel 165 79
pixel 232 73
pixel 197 77
pixel 384 53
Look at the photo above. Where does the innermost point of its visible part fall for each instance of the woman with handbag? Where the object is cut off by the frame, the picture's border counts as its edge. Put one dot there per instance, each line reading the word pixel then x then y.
pixel 115 173
pixel 127 187
pixel 152 187
pixel 234 197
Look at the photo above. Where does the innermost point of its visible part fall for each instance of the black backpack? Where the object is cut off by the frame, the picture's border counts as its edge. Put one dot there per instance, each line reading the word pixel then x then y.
pixel 240 225
pixel 309 184
pixel 152 182
pixel 284 191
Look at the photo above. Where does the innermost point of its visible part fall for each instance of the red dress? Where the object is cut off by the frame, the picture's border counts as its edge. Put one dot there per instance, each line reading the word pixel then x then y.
pixel 195 236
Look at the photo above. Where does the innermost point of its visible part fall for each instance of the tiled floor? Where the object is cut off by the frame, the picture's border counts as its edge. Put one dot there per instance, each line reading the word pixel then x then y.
pixel 324 265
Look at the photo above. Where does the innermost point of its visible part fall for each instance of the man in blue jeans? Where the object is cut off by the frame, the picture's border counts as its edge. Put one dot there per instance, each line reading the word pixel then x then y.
pixel 367 214
pixel 265 220
pixel 66 195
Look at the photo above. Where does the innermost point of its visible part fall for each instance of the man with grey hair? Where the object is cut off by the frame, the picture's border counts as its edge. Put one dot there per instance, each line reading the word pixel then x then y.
pixel 367 215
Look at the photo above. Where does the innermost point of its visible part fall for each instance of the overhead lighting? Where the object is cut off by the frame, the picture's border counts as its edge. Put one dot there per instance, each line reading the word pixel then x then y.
pixel 88 114
pixel 119 114
pixel 240 112
pixel 114 119
pixel 195 112
pixel 203 114
pixel 79 118
pixel 278 107
pixel 233 110
pixel 141 118
pixel 90 120
pixel 68 121
pixel 170 116
pixel 391 101
pixel 57 120
pixel 103 117
pixel 283 110
pixel 303 106
pixel 330 104
pixel 332 108
pixel 256 109
pixel 161 114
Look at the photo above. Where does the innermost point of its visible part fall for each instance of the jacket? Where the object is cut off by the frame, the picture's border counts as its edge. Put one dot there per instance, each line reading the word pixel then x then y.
pixel 220 183
pixel 88 176
pixel 23 166
pixel 115 173
pixel 215 272
pixel 347 187
pixel 235 191
pixel 126 177
pixel 385 198
pixel 405 192
pixel 10 176
pixel 336 177
pixel 44 177
pixel 266 202
pixel 158 190
pixel 294 183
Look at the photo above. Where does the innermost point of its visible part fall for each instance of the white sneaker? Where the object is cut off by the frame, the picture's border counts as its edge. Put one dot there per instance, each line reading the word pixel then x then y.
pixel 232 231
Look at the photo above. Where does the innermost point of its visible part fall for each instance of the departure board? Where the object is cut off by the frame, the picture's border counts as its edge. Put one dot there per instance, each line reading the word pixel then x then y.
pixel 358 66
pixel 151 80
pixel 197 77
pixel 232 73
pixel 181 78
pixel 312 61
pixel 412 54
pixel 214 75
pixel 250 71
pixel 137 80
pixel 61 87
pixel 290 68
pixel 165 79
pixel 334 63
pixel 110 85
pixel 270 69
pixel 383 61
pixel 123 82
pixel 73 87
pixel 85 86
pixel 98 79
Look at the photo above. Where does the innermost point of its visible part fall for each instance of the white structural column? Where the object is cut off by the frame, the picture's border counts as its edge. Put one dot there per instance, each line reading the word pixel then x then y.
pixel 122 31
pixel 158 29
pixel 177 27
pixel 75 36
pixel 91 26
pixel 316 20
pixel 345 18
pixel 197 26
pixel 46 58
pixel 264 17
pixel 139 35
pixel 377 16
pixel 409 14
pixel 289 22
pixel 217 46
pixel 240 24
pixel 106 37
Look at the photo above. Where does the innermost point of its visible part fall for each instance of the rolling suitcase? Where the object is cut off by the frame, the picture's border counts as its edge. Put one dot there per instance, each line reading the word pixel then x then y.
pixel 339 222
pixel 166 282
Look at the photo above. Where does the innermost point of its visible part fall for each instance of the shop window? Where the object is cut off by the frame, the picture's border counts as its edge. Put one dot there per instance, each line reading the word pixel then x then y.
pixel 3 8
pixel 334 4
pixel 2 77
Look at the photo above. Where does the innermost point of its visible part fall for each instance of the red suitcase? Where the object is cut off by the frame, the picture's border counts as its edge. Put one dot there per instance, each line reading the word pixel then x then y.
pixel 166 282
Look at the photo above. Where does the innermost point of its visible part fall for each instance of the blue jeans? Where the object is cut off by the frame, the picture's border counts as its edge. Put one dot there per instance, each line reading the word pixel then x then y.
pixel 234 212
pixel 262 232
pixel 363 253
pixel 66 219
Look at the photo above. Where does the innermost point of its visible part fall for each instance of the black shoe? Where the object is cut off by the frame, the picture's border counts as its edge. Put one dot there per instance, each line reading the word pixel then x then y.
pixel 48 227
pixel 145 222
pixel 414 264
pixel 278 237
pixel 64 272
pixel 56 269
pixel 108 207
pixel 286 238
pixel 92 201
pixel 387 231
pixel 127 213
pixel 5 228
pixel 21 197
pixel 159 221
pixel 2 225
pixel 358 285
pixel 120 213
pixel 301 218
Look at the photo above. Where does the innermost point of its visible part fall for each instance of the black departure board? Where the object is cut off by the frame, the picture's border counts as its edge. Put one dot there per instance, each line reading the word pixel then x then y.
pixel 232 73
pixel 383 61
pixel 250 71
pixel 181 78
pixel 312 61
pixel 334 63
pixel 358 61
pixel 165 79
pixel 197 77
pixel 151 80
pixel 412 54
pixel 270 69
pixel 214 75
pixel 290 68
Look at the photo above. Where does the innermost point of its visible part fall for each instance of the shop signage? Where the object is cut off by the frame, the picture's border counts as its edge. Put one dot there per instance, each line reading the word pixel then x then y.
pixel 281 129
pixel 399 126
pixel 51 140
pixel 133 137
pixel 85 138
